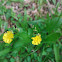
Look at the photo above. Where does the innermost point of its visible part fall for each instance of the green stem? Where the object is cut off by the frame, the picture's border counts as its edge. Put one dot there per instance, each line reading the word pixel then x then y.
pixel 56 52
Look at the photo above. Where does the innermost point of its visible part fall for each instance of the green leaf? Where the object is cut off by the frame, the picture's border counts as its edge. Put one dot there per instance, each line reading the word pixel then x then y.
pixel 53 37
pixel 25 60
pixel 4 52
pixel 24 23
pixel 12 60
pixel 44 53
pixel 36 21
pixel 2 10
pixel 49 50
pixel 56 52
pixel 17 0
pixel 28 58
pixel 5 60
pixel 1 36
pixel 5 25
pixel 30 31
pixel 35 56
pixel 54 1
pixel 22 40
pixel 39 59
pixel 7 14
pixel 53 25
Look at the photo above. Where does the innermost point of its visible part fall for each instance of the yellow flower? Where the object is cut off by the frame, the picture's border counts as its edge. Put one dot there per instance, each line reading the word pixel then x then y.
pixel 36 40
pixel 7 37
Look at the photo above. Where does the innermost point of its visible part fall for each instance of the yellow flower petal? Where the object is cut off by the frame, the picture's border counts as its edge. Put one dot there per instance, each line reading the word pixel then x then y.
pixel 7 37
pixel 36 40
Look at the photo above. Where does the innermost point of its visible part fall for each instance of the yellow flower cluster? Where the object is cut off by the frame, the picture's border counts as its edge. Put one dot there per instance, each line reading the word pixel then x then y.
pixel 7 37
pixel 36 40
